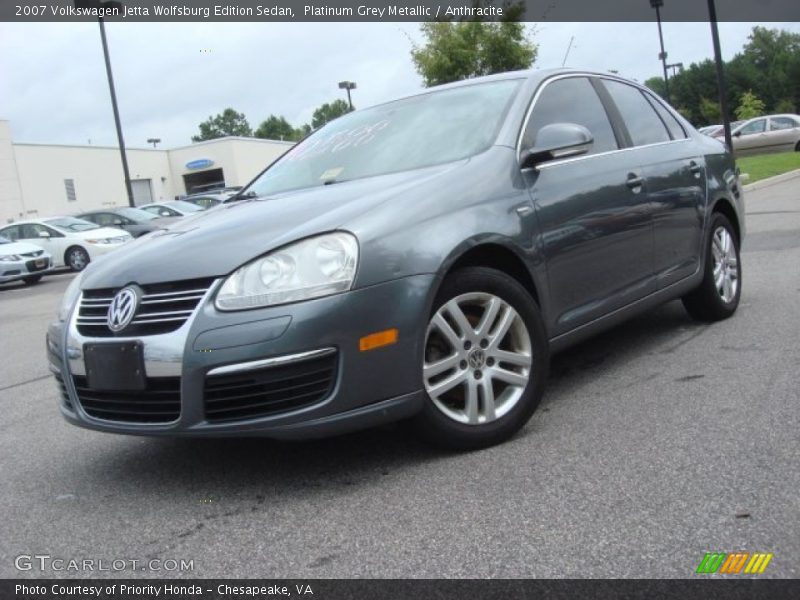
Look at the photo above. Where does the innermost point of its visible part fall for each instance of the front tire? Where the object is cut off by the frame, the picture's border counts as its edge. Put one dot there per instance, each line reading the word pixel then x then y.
pixel 77 258
pixel 718 295
pixel 485 361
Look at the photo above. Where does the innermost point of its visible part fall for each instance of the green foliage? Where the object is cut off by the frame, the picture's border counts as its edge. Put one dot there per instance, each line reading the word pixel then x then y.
pixel 470 48
pixel 329 112
pixel 278 128
pixel 710 110
pixel 229 122
pixel 750 106
pixel 768 66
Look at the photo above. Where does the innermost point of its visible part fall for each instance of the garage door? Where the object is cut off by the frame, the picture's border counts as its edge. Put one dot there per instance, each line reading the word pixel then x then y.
pixel 142 191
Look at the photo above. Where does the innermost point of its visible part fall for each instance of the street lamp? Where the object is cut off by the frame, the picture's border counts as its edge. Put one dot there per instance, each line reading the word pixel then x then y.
pixel 675 68
pixel 154 141
pixel 348 85
pixel 657 4
pixel 111 4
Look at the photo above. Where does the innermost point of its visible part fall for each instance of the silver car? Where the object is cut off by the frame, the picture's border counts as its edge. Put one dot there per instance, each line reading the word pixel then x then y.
pixel 22 261
pixel 773 133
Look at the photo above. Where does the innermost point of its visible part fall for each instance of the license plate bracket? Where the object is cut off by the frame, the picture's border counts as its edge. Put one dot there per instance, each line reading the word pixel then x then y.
pixel 115 366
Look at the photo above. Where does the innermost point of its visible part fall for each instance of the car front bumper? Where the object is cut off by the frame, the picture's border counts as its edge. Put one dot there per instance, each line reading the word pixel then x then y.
pixel 367 387
pixel 28 267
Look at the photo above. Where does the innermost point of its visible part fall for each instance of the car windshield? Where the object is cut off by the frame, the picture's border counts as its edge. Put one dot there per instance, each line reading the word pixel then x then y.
pixel 71 224
pixel 4 240
pixel 135 214
pixel 421 131
pixel 183 206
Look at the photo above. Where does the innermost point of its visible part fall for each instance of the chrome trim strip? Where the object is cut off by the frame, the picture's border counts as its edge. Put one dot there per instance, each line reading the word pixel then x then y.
pixel 270 362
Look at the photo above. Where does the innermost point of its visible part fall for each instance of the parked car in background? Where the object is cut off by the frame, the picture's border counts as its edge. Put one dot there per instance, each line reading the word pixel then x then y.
pixel 172 208
pixel 709 129
pixel 70 241
pixel 22 260
pixel 206 201
pixel 135 221
pixel 419 259
pixel 772 133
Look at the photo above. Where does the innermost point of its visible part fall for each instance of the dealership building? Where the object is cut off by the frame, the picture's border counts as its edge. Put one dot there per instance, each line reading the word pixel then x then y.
pixel 43 180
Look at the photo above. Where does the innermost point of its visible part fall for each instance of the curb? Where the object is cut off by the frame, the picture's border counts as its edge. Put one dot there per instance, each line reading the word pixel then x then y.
pixel 771 181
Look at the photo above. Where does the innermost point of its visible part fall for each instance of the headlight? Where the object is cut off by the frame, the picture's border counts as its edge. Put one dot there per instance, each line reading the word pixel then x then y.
pixel 10 258
pixel 70 297
pixel 311 268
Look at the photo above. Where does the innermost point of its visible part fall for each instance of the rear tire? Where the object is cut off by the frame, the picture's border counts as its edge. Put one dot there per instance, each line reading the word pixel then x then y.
pixel 32 279
pixel 76 258
pixel 718 295
pixel 486 359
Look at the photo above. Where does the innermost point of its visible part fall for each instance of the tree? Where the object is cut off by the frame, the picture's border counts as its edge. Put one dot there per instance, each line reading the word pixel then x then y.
pixel 229 122
pixel 710 110
pixel 750 106
pixel 329 112
pixel 278 128
pixel 459 50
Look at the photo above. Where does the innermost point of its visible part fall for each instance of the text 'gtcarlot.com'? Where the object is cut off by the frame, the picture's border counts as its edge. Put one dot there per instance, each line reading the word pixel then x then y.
pixel 46 562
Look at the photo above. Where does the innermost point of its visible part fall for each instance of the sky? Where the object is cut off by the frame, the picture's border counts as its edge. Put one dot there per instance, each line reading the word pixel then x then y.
pixel 170 77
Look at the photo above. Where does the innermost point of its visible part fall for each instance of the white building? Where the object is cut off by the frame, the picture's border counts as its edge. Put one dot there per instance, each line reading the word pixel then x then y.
pixel 41 180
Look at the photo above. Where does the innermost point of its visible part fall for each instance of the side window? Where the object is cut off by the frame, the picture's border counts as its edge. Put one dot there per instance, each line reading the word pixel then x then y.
pixel 151 209
pixel 778 123
pixel 90 218
pixel 104 219
pixel 676 130
pixel 12 233
pixel 644 125
pixel 571 100
pixel 754 127
pixel 30 231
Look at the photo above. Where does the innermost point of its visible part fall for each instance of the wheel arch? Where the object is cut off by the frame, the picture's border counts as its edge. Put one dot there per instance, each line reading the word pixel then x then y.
pixel 724 206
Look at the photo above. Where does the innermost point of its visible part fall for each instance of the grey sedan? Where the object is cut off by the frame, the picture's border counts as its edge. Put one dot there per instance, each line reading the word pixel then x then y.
pixel 420 259
pixel 135 221
pixel 773 133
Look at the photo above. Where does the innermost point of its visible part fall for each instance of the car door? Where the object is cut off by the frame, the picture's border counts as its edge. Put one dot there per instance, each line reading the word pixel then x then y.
pixel 674 172
pixel 784 133
pixel 751 138
pixel 55 242
pixel 595 231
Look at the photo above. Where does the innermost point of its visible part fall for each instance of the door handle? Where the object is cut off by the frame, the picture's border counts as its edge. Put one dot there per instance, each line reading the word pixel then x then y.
pixel 695 168
pixel 634 182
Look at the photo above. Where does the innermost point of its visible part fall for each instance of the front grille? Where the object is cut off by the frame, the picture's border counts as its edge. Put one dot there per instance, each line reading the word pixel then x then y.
pixel 62 387
pixel 268 391
pixel 164 307
pixel 160 402
pixel 31 265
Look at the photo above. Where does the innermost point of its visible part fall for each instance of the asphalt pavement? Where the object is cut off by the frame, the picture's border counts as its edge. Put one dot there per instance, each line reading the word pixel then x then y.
pixel 657 442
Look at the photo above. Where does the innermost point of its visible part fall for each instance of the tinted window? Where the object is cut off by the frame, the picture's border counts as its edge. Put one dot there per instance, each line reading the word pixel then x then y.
pixel 12 233
pixel 675 129
pixel 754 127
pixel 644 125
pixel 571 100
pixel 778 123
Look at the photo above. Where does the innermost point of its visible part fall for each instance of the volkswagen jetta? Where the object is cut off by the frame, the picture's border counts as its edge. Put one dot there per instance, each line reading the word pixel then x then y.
pixel 420 259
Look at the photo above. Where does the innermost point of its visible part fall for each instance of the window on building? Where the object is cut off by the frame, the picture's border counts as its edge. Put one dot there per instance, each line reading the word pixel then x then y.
pixel 69 185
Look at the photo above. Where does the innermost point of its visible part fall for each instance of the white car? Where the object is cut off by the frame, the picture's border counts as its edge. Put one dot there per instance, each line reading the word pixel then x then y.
pixel 172 208
pixel 71 242
pixel 21 260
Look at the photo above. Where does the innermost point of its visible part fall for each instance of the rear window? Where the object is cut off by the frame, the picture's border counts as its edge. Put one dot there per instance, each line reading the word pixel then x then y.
pixel 643 123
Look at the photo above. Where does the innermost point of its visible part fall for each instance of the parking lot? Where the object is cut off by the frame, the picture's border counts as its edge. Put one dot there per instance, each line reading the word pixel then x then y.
pixel 657 442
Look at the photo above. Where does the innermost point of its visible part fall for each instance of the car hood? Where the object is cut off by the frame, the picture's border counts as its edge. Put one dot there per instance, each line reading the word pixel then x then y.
pixel 18 248
pixel 216 242
pixel 99 233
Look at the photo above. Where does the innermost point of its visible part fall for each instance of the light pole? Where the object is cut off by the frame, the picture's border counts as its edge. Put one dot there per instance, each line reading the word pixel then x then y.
pixel 657 4
pixel 110 4
pixel 348 85
pixel 723 95
pixel 675 68
pixel 154 141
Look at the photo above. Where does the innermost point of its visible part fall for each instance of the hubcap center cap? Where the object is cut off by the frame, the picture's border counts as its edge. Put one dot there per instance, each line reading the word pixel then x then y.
pixel 477 358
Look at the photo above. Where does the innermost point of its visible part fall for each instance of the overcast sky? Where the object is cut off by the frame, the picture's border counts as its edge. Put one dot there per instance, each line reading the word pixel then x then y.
pixel 170 77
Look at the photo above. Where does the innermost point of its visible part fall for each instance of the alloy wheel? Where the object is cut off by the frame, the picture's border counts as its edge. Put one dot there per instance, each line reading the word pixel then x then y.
pixel 726 265
pixel 477 358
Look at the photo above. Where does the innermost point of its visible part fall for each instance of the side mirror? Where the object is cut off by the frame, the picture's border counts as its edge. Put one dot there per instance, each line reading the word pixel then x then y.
pixel 164 213
pixel 557 140
pixel 737 134
pixel 44 234
pixel 117 221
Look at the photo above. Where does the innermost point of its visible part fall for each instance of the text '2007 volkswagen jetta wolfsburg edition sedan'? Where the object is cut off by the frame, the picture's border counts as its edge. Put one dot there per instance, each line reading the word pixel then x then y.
pixel 419 260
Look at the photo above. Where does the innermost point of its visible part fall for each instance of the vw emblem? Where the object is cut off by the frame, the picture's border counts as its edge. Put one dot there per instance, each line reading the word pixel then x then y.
pixel 477 359
pixel 123 308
